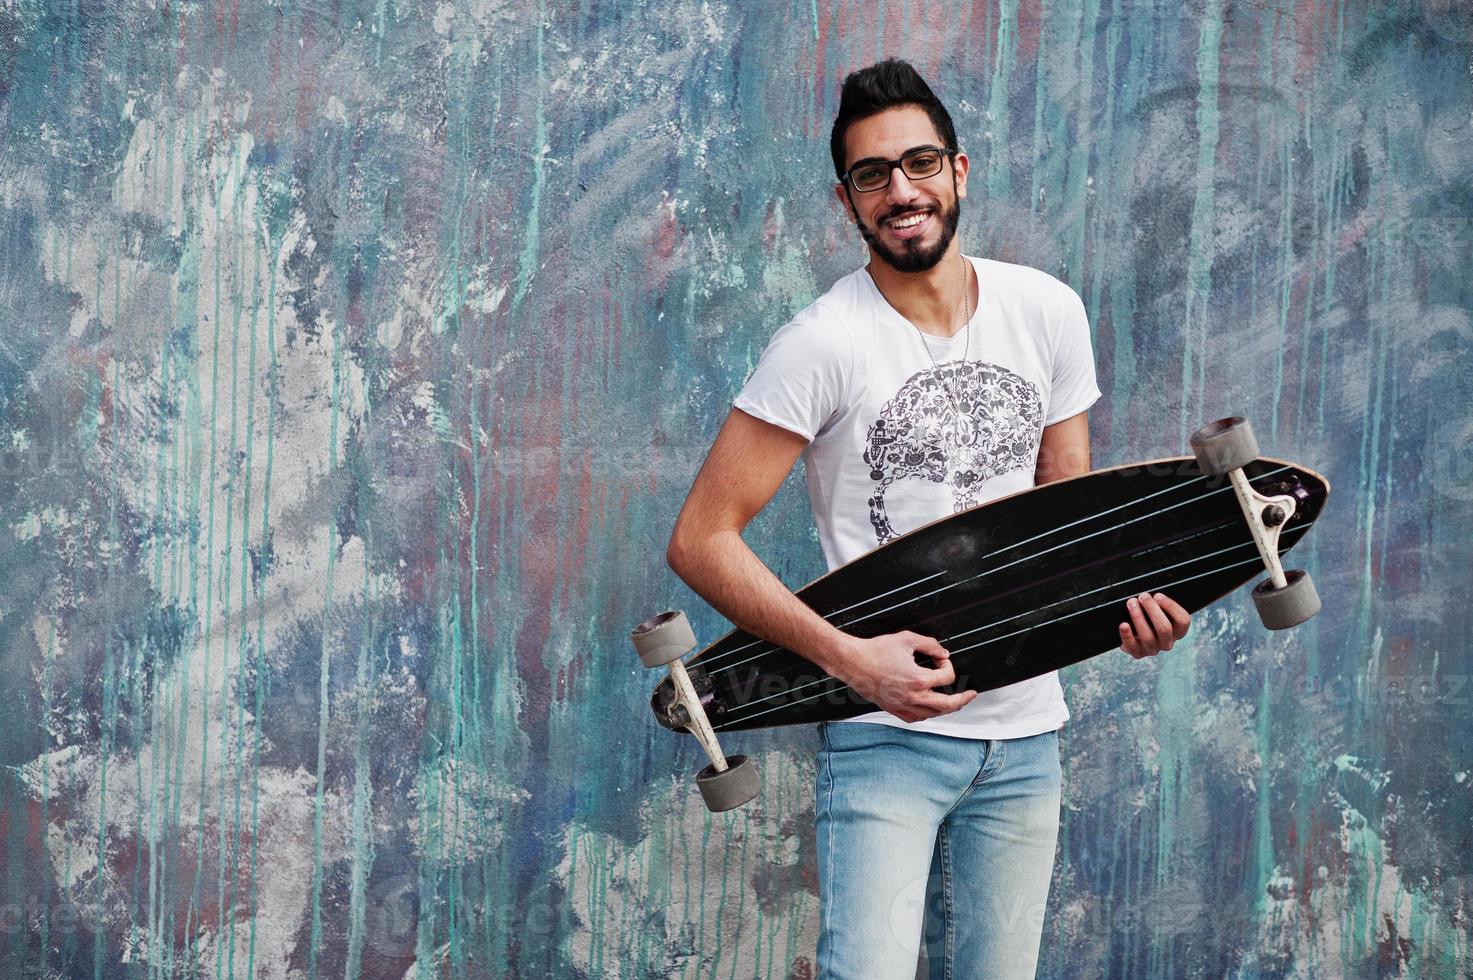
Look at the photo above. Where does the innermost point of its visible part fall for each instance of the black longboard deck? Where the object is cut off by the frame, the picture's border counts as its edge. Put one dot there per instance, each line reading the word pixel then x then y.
pixel 1013 588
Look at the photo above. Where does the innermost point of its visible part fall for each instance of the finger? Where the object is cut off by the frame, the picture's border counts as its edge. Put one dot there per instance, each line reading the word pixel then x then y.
pixel 1165 632
pixel 928 645
pixel 941 675
pixel 1145 636
pixel 1128 642
pixel 1181 620
pixel 936 703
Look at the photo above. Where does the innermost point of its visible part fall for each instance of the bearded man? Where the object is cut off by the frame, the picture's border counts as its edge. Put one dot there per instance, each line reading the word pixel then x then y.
pixel 922 384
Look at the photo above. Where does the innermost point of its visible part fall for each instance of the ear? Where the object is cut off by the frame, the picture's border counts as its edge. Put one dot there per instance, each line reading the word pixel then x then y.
pixel 841 192
pixel 961 164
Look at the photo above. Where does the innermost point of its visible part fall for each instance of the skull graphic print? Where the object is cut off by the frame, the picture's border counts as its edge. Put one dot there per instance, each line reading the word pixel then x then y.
pixel 951 428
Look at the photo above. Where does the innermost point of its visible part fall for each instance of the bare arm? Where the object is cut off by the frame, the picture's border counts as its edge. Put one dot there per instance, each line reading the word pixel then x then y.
pixel 746 465
pixel 1064 450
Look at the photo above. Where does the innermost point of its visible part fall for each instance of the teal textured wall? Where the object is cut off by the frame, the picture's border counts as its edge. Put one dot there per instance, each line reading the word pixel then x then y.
pixel 355 358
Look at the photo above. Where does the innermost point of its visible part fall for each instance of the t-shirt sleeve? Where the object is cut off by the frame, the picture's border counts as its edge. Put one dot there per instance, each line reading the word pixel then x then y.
pixel 801 379
pixel 1073 388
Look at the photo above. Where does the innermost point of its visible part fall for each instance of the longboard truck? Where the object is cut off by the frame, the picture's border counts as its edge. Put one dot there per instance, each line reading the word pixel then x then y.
pixel 1223 448
pixel 661 641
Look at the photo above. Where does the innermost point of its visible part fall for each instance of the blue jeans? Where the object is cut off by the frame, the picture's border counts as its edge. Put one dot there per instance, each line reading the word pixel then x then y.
pixel 953 834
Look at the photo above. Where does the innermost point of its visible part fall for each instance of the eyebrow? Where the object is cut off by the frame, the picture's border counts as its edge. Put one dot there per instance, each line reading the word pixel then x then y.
pixel 860 163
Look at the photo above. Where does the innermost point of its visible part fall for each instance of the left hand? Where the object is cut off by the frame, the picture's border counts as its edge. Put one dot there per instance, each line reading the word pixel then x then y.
pixel 1156 622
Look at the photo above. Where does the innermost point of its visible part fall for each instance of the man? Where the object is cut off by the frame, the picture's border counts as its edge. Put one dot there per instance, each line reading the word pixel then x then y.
pixel 922 384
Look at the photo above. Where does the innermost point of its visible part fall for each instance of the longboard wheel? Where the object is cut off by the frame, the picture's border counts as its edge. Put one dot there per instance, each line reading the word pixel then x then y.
pixel 663 638
pixel 1227 444
pixel 1296 602
pixel 728 789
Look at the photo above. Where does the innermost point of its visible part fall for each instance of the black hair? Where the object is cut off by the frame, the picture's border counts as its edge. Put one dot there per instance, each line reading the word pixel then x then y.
pixel 886 85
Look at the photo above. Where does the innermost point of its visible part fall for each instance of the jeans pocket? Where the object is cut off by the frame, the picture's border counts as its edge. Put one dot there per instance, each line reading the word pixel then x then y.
pixel 852 736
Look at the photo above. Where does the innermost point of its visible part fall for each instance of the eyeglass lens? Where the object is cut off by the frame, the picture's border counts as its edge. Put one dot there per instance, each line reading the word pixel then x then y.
pixel 917 164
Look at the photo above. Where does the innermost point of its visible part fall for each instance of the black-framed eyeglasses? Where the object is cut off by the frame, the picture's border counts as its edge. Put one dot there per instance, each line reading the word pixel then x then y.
pixel 918 164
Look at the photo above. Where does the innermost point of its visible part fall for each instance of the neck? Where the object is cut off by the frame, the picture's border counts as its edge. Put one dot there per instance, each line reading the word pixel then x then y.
pixel 932 300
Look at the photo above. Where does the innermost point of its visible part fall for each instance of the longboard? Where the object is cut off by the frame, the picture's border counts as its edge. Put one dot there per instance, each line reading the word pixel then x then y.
pixel 1019 586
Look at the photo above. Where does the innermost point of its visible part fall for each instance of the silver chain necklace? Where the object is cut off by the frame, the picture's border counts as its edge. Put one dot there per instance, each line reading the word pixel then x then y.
pixel 948 386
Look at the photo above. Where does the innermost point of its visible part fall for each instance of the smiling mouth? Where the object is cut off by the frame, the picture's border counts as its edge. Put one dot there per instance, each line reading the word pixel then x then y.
pixel 910 226
pixel 909 220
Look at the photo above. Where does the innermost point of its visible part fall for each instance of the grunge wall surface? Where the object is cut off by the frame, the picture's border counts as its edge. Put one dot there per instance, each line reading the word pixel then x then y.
pixel 355 357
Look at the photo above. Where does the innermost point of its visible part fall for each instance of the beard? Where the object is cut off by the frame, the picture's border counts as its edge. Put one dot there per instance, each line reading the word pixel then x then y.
pixel 913 256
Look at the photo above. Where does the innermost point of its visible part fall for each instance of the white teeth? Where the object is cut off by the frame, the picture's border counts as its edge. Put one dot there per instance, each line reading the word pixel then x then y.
pixel 909 222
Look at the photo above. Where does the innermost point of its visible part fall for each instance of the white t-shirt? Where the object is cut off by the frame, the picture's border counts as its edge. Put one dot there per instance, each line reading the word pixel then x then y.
pixel 896 441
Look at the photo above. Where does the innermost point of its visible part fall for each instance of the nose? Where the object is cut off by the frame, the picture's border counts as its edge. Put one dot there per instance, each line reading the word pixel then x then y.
pixel 901 190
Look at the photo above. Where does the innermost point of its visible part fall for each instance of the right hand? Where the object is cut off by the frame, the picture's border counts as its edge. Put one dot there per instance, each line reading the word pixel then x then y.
pixel 883 670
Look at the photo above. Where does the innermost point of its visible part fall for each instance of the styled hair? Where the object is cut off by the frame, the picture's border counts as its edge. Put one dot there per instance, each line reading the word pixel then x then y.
pixel 886 85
